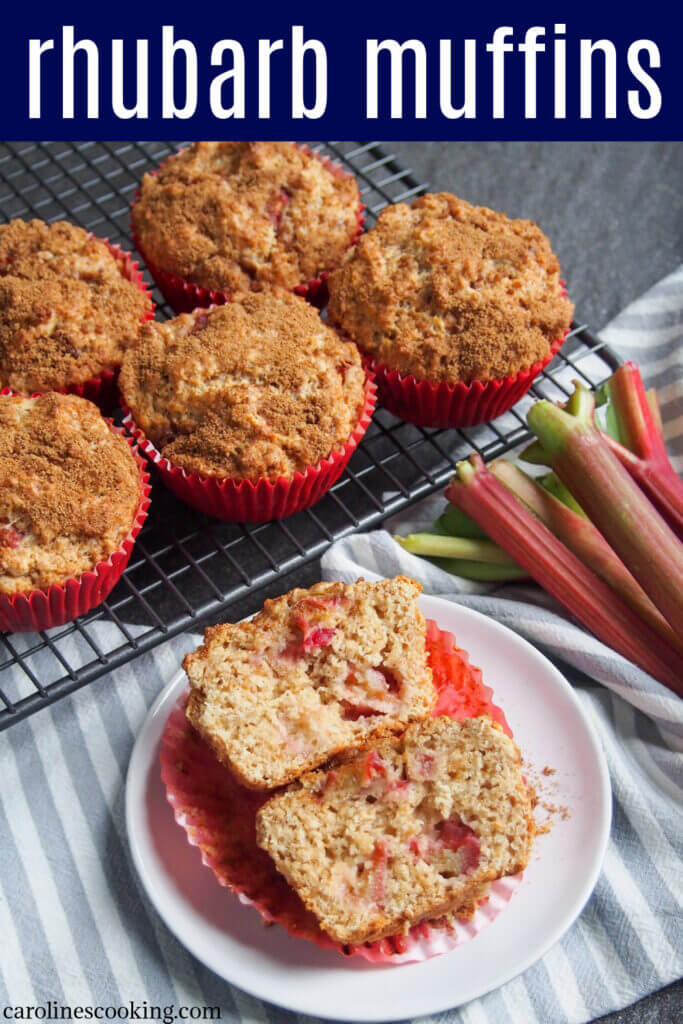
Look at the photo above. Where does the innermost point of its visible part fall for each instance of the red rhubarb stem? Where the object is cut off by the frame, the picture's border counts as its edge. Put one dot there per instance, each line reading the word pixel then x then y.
pixel 659 482
pixel 643 450
pixel 532 545
pixel 630 524
pixel 637 427
pixel 587 543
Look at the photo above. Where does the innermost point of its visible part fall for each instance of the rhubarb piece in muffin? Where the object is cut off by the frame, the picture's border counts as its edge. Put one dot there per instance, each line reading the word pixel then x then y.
pixel 69 490
pixel 317 671
pixel 258 389
pixel 405 832
pixel 235 215
pixel 67 312
pixel 449 292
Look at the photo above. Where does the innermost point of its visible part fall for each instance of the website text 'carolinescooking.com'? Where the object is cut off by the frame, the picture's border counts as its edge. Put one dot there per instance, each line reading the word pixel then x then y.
pixel 129 1011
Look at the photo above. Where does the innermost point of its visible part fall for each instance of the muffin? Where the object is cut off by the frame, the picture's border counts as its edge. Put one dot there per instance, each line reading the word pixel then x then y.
pixel 455 296
pixel 315 672
pixel 221 217
pixel 403 832
pixel 257 394
pixel 70 305
pixel 226 819
pixel 71 499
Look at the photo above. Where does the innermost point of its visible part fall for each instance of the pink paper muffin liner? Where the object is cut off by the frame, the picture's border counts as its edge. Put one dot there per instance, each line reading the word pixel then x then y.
pixel 244 501
pixel 183 296
pixel 63 602
pixel 218 816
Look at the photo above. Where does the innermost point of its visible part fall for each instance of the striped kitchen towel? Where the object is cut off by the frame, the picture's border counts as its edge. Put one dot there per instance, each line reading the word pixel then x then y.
pixel 76 928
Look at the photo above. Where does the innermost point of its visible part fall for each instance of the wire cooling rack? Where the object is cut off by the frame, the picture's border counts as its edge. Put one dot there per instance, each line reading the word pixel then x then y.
pixel 185 567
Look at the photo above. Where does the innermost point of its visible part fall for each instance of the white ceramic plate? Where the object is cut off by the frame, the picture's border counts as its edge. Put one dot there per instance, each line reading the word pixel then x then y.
pixel 551 728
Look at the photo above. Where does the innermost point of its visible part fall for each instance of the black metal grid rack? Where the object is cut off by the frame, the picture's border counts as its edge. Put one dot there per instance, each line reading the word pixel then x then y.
pixel 186 568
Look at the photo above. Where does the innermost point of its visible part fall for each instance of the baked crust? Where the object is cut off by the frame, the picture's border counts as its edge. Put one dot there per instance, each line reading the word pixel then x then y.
pixel 408 831
pixel 451 292
pixel 315 672
pixel 234 215
pixel 69 490
pixel 260 387
pixel 66 311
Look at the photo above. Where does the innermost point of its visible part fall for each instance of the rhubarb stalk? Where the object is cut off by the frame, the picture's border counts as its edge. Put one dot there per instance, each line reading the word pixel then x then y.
pixel 532 545
pixel 641 448
pixel 632 526
pixel 483 572
pixel 436 545
pixel 586 541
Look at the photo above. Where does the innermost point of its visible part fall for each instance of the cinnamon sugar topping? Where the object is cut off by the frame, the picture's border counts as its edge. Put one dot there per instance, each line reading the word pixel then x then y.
pixel 66 311
pixel 451 292
pixel 261 387
pixel 69 490
pixel 235 215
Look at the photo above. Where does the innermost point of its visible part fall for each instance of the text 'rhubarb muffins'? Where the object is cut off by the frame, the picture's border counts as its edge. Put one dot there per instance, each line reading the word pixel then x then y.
pixel 249 410
pixel 72 498
pixel 457 307
pixel 221 217
pixel 70 305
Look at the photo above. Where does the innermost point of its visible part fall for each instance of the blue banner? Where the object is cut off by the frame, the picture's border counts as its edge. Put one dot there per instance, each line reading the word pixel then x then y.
pixel 381 71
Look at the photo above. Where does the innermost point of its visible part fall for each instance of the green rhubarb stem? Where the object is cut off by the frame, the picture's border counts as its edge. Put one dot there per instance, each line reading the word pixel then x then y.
pixel 457 524
pixel 435 545
pixel 484 572
pixel 629 523
pixel 581 536
pixel 534 454
pixel 581 404
pixel 552 483
pixel 588 598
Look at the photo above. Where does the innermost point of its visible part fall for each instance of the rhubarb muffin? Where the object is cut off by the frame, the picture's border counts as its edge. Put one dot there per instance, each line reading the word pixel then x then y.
pixel 69 490
pixel 404 832
pixel 315 672
pixel 258 389
pixel 451 293
pixel 68 308
pixel 230 216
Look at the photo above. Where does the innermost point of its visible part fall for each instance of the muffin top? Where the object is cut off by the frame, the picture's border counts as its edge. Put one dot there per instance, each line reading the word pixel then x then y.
pixel 69 490
pixel 234 215
pixel 451 292
pixel 261 387
pixel 66 312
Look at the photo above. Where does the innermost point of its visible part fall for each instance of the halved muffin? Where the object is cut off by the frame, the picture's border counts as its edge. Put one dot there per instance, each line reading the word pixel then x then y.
pixel 406 831
pixel 314 673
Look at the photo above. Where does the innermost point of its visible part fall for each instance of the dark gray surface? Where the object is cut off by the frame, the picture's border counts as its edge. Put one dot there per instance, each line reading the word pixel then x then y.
pixel 613 213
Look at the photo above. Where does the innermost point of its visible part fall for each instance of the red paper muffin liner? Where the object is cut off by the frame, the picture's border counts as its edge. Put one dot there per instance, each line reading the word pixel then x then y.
pixel 219 815
pixel 184 296
pixel 242 501
pixel 60 603
pixel 427 404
